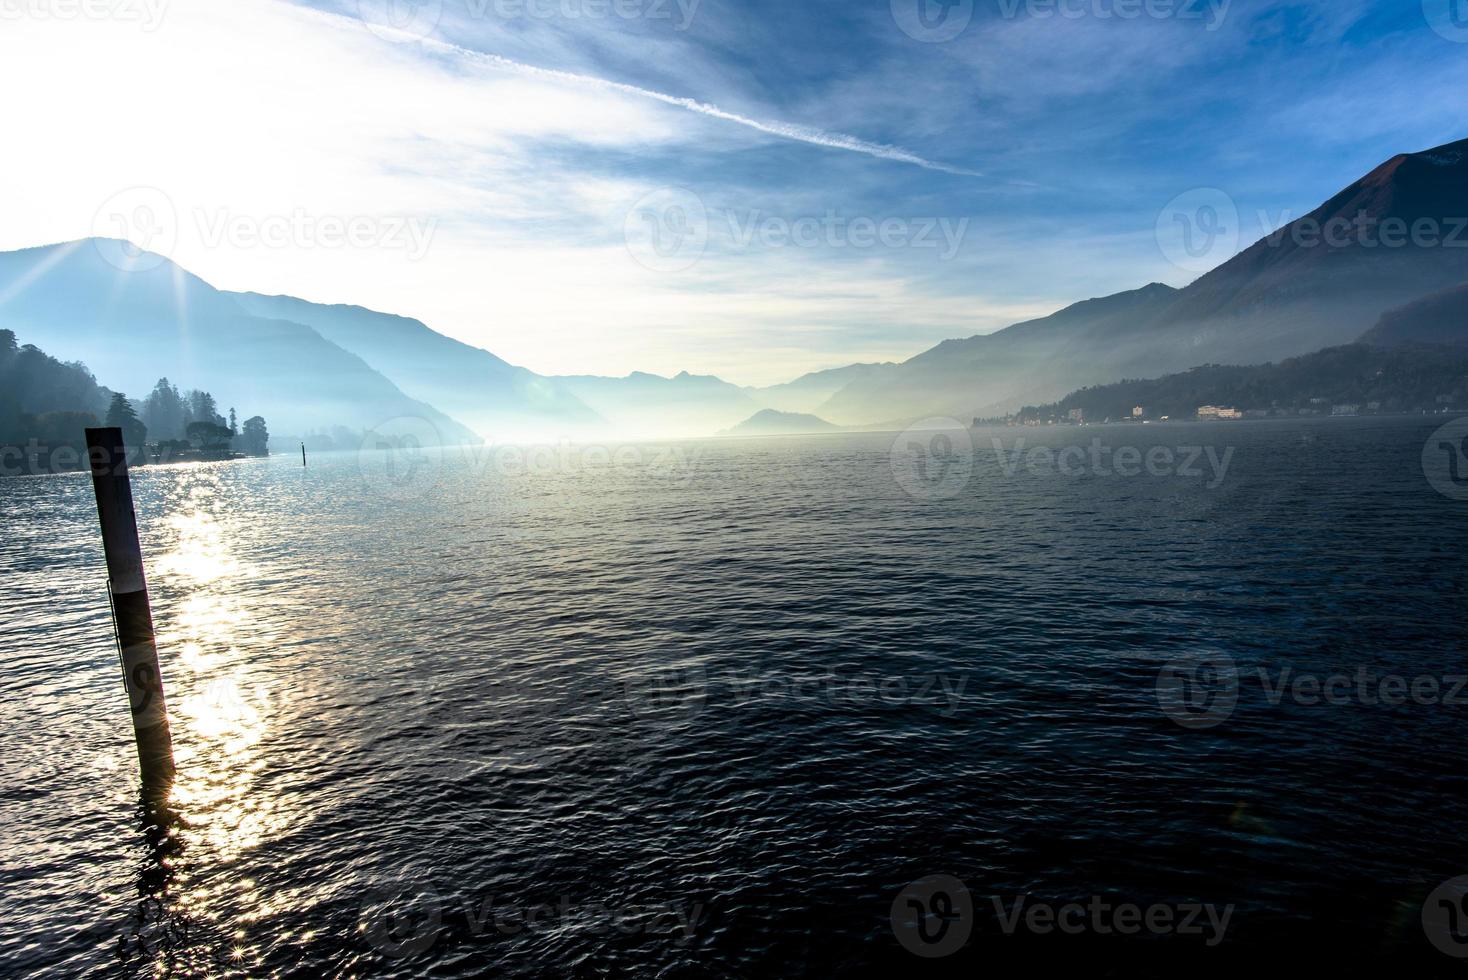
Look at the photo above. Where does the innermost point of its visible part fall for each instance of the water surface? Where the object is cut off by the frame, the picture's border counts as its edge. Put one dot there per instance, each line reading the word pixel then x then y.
pixel 707 709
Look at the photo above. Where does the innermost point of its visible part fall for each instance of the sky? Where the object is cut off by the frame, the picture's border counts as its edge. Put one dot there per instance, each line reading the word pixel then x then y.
pixel 751 189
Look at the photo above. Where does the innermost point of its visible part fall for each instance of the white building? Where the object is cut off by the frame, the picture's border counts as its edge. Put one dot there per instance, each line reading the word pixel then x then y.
pixel 1219 412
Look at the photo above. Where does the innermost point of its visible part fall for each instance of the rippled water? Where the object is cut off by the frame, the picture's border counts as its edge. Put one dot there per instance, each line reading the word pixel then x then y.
pixel 707 709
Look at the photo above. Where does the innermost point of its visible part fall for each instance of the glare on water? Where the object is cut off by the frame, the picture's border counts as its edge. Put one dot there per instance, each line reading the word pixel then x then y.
pixel 221 713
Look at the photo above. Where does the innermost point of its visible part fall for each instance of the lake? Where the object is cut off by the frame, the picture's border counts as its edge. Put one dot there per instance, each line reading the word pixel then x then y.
pixel 724 708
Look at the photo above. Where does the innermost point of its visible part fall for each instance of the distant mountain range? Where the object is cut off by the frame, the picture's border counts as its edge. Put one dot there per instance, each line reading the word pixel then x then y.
pixel 1384 261
pixel 487 394
pixel 134 318
pixel 771 422
pixel 691 404
pixel 642 404
pixel 1397 235
pixel 985 374
pixel 807 392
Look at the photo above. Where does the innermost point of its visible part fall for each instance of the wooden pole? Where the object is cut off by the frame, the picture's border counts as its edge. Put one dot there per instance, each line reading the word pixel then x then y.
pixel 131 611
pixel 303 455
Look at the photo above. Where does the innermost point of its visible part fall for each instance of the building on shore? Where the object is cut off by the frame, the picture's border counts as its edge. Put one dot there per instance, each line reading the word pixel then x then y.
pixel 1219 412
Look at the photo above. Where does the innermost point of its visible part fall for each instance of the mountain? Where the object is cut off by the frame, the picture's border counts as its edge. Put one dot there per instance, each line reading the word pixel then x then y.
pixel 771 423
pixel 1298 290
pixel 1369 379
pixel 1388 255
pixel 1029 361
pixel 474 386
pixel 1397 235
pixel 1441 318
pixel 650 405
pixel 135 317
pixel 805 393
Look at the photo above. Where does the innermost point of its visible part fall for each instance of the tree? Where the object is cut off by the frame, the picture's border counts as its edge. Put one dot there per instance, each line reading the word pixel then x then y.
pixel 62 435
pixel 199 407
pixel 48 401
pixel 255 438
pixel 120 415
pixel 163 412
pixel 171 449
pixel 210 436
pixel 234 430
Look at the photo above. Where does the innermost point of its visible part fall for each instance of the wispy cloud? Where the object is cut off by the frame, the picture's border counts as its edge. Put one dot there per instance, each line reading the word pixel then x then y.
pixel 783 130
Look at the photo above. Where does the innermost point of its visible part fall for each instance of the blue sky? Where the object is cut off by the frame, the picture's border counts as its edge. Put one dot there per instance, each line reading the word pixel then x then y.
pixel 548 148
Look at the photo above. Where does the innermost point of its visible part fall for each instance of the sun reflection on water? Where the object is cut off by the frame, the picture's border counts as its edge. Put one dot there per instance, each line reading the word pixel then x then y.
pixel 221 711
pixel 202 554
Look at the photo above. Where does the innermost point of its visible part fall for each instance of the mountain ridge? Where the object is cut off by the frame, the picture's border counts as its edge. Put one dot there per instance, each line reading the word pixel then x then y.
pixel 645 404
pixel 489 394
pixel 134 316
pixel 1288 294
pixel 1438 319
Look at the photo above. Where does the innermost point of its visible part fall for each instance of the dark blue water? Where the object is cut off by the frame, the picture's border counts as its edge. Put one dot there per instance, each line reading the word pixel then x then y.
pixel 708 709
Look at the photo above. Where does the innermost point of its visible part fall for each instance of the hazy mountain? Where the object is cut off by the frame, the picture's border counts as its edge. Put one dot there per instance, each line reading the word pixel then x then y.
pixel 1029 361
pixel 1368 379
pixel 1441 318
pixel 1295 291
pixel 771 422
pixel 135 317
pixel 491 396
pixel 1392 247
pixel 648 404
pixel 808 391
pixel 1396 235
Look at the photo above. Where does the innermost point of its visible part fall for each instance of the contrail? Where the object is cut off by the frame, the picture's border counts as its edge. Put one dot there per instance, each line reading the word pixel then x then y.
pixel 790 131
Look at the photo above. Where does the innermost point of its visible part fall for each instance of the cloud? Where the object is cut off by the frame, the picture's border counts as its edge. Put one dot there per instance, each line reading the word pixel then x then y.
pixel 783 130
pixel 262 111
pixel 528 145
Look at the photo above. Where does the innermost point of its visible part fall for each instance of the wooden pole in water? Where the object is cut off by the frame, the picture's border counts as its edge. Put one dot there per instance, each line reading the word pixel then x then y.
pixel 303 455
pixel 131 611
